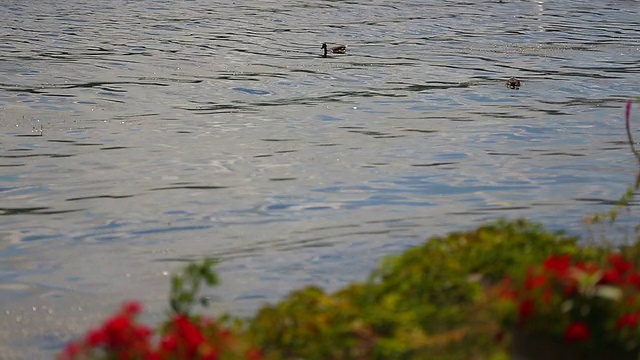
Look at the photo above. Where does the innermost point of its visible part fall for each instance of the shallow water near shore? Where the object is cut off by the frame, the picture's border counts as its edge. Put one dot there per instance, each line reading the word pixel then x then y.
pixel 138 135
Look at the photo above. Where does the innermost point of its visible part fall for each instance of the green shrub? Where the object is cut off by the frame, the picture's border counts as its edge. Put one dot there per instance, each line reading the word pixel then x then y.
pixel 429 302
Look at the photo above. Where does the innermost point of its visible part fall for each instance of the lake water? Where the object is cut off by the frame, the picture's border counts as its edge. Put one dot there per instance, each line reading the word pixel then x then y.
pixel 137 135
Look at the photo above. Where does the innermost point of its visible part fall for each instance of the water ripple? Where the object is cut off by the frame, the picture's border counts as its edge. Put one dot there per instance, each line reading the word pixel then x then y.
pixel 155 132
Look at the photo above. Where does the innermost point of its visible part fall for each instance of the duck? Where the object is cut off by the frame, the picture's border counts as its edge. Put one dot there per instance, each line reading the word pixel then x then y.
pixel 513 83
pixel 338 49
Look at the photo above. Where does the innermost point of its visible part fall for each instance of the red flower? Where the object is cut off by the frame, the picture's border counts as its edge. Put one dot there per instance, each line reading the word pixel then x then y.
pixel 209 355
pixel 526 309
pixel 141 332
pixel 253 354
pixel 225 334
pixel 117 331
pixel 634 279
pixel 610 277
pixel 558 264
pixel 169 343
pixel 627 320
pixel 121 335
pixel 95 338
pixel 547 296
pixel 188 336
pixel 589 268
pixel 71 351
pixel 497 338
pixel 508 294
pixel 505 289
pixel 619 263
pixel 131 308
pixel 570 289
pixel 577 332
pixel 534 281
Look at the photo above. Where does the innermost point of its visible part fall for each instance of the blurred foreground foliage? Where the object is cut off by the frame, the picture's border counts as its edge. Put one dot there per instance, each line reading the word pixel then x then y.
pixel 431 302
pixel 439 300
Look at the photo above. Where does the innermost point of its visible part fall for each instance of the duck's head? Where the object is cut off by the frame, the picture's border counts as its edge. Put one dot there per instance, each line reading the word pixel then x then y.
pixel 324 46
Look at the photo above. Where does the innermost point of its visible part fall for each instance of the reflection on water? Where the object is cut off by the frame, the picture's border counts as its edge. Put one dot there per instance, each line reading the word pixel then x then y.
pixel 137 135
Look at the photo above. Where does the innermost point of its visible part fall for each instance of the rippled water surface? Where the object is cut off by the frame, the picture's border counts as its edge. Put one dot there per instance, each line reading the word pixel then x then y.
pixel 136 135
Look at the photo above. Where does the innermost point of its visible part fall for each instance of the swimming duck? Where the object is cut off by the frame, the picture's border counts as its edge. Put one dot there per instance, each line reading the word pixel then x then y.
pixel 513 83
pixel 339 49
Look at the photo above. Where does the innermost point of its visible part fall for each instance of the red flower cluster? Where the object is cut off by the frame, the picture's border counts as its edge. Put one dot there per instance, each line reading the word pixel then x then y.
pixel 121 337
pixel 570 298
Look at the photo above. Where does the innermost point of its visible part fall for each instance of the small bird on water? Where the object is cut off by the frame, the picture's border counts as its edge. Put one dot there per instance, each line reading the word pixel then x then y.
pixel 338 49
pixel 513 83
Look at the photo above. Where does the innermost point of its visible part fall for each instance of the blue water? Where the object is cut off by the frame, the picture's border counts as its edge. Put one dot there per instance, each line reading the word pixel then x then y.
pixel 138 135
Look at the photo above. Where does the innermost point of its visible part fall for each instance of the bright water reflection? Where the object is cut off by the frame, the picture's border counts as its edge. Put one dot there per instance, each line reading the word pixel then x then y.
pixel 140 134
